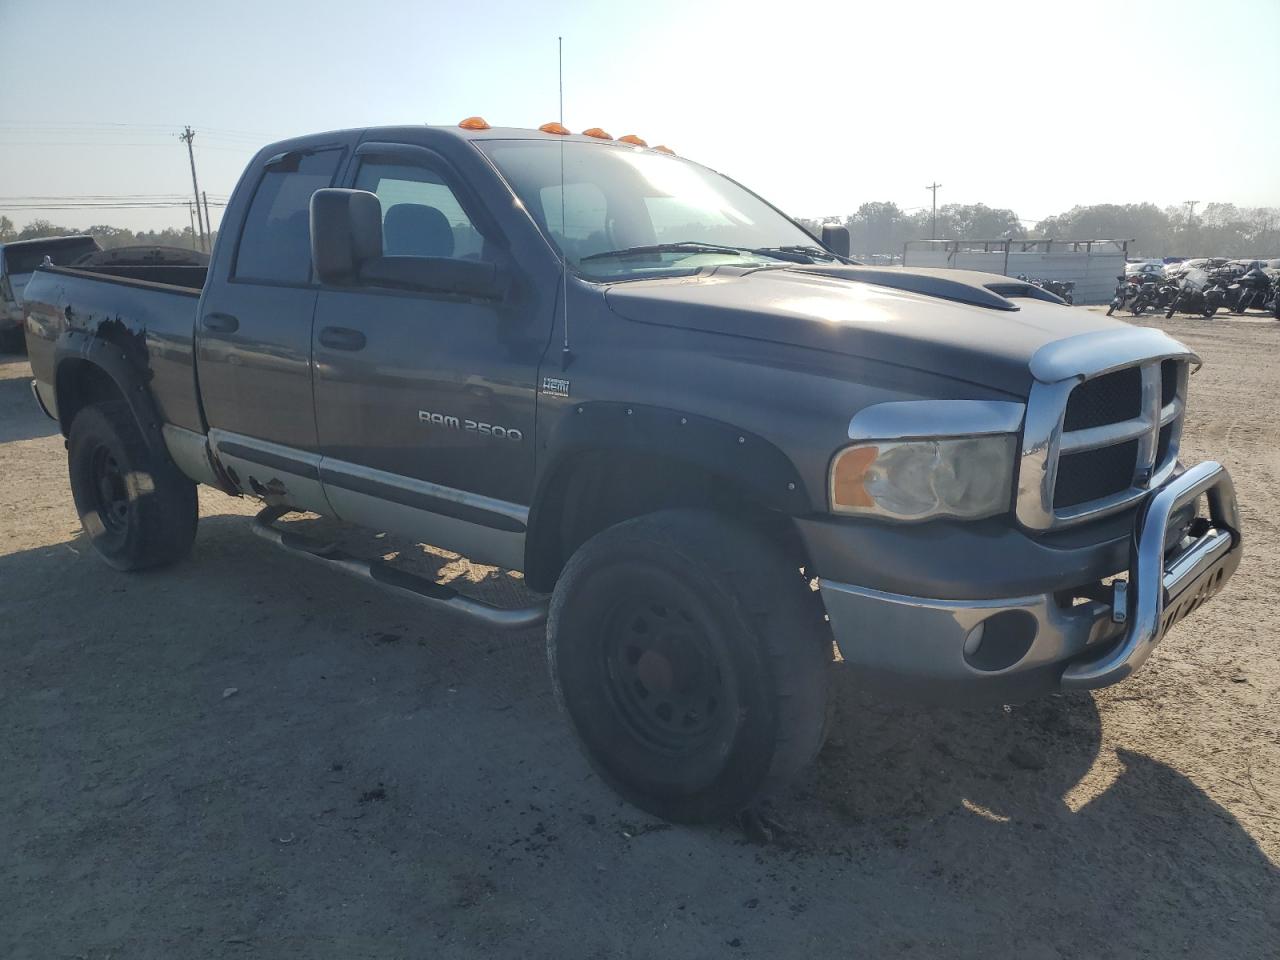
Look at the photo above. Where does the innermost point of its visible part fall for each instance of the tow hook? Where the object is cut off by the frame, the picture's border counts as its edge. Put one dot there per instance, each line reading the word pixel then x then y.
pixel 1120 601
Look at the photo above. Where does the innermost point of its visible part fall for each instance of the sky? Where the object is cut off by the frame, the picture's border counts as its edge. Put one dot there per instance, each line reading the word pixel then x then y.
pixel 817 106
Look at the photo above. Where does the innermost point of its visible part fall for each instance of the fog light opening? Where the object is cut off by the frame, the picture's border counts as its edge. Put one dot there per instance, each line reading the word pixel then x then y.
pixel 1000 641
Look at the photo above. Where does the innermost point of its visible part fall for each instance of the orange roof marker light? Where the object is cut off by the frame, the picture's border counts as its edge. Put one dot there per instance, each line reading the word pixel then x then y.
pixel 474 123
pixel 559 129
pixel 597 133
pixel 661 148
pixel 633 139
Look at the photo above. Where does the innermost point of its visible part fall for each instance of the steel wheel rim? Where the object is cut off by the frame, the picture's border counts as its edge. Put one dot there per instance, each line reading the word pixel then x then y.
pixel 662 674
pixel 110 490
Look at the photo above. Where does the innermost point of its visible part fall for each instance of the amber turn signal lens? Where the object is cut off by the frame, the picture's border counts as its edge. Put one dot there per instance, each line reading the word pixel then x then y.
pixel 848 478
pixel 597 133
pixel 559 129
pixel 632 138
pixel 660 148
pixel 474 123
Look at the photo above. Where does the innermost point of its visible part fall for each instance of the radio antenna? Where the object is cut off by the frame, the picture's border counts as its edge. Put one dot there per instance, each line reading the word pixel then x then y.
pixel 566 356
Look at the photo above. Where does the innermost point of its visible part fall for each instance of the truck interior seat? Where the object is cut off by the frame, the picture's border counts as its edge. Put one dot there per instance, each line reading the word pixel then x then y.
pixel 416 230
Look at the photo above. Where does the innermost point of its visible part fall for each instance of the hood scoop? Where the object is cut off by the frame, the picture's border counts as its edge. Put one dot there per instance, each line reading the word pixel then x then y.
pixel 931 284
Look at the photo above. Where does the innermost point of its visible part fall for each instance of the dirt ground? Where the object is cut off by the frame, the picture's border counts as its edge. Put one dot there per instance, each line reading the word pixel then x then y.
pixel 248 756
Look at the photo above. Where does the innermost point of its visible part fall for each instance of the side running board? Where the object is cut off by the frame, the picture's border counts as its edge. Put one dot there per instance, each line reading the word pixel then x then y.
pixel 382 574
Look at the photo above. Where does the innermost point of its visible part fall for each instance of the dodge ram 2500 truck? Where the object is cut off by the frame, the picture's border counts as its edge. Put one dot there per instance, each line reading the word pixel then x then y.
pixel 712 442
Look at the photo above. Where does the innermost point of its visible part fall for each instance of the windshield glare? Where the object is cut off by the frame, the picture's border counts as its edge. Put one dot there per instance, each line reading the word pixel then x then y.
pixel 619 197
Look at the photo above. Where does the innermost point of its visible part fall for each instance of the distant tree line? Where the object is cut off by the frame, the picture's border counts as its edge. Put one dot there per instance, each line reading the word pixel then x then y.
pixel 882 227
pixel 1220 230
pixel 107 236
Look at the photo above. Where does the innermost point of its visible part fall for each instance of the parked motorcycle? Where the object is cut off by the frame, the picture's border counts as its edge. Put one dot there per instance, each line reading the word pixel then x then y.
pixel 1061 288
pixel 1198 292
pixel 1253 289
pixel 1126 288
pixel 1153 292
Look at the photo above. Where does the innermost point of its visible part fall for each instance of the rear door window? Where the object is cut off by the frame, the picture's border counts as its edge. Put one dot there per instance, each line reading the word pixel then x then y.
pixel 275 245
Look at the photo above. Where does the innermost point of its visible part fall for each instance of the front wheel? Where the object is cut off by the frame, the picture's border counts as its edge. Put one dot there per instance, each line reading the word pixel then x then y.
pixel 692 660
pixel 136 507
pixel 1208 312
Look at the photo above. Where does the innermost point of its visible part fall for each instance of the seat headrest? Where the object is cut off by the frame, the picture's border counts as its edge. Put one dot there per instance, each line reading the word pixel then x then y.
pixel 414 230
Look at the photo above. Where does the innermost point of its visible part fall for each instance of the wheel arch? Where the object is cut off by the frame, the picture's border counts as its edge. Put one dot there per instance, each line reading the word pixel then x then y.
pixel 88 369
pixel 607 462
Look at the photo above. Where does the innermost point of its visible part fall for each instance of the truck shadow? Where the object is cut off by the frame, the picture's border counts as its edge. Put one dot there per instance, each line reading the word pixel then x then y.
pixel 1016 820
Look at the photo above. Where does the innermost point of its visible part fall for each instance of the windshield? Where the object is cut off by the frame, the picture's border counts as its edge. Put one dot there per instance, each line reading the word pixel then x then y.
pixel 626 212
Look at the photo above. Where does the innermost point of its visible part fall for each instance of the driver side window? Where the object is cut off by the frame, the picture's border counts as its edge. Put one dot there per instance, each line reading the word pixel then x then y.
pixel 421 215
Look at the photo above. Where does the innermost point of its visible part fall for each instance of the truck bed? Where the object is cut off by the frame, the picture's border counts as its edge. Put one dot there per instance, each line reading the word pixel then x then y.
pixel 149 309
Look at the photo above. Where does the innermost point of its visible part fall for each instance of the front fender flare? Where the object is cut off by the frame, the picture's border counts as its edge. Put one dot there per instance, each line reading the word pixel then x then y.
pixel 751 464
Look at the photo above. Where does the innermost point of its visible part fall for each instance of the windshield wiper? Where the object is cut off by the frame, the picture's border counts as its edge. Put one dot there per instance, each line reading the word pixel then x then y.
pixel 684 246
pixel 798 253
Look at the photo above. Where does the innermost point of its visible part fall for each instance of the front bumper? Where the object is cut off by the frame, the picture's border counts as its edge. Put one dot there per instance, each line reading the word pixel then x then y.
pixel 1016 647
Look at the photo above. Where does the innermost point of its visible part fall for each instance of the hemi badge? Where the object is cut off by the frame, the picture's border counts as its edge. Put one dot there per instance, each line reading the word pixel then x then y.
pixel 555 387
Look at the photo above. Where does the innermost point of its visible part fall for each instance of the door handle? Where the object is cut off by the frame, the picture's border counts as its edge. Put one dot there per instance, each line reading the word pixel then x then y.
pixel 342 338
pixel 220 323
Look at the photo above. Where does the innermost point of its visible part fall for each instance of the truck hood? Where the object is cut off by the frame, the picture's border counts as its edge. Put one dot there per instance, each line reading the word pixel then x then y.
pixel 970 326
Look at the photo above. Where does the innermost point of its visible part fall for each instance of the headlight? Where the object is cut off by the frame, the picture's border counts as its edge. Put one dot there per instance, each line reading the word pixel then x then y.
pixel 964 477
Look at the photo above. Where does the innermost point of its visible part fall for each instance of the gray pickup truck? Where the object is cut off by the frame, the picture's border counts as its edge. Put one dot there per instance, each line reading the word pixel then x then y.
pixel 18 260
pixel 709 440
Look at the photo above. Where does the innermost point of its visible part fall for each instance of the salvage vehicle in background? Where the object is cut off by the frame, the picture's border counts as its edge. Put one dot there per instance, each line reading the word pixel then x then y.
pixel 17 260
pixel 711 442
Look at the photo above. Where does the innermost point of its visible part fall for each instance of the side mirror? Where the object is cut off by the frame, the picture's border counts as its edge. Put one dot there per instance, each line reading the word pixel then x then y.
pixel 836 239
pixel 346 231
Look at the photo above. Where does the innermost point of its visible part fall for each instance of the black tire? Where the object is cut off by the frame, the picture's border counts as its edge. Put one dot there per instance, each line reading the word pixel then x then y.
pixel 138 510
pixel 1208 312
pixel 684 609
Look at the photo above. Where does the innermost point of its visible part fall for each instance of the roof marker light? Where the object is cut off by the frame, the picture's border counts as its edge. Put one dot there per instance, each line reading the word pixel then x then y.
pixel 661 148
pixel 633 139
pixel 474 123
pixel 597 133
pixel 559 129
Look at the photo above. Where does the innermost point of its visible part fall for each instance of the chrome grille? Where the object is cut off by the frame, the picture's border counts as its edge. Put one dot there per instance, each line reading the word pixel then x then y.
pixel 1107 439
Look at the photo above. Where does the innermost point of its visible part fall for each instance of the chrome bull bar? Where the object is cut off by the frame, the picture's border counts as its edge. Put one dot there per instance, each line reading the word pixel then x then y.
pixel 1162 588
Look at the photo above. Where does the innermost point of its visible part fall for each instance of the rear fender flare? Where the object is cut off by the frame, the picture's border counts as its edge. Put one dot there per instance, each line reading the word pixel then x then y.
pixel 128 373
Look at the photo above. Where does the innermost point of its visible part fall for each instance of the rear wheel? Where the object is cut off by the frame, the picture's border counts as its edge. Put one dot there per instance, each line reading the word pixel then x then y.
pixel 691 658
pixel 137 508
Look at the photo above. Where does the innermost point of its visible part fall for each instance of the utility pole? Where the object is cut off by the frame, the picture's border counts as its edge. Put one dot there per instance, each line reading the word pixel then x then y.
pixel 934 187
pixel 192 214
pixel 188 136
pixel 1191 210
pixel 208 222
